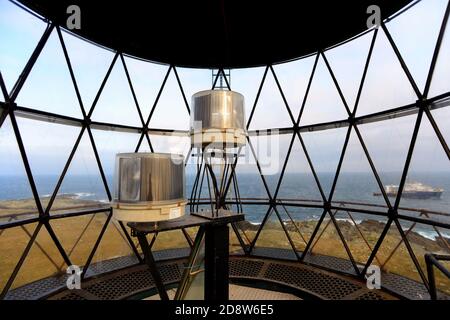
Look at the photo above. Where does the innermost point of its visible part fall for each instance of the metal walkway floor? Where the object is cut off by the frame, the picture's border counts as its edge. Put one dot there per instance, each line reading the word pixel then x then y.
pixel 238 292
pixel 124 278
pixel 286 277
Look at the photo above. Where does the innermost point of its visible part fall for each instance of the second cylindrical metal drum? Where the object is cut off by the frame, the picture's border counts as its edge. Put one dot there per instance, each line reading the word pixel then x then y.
pixel 217 116
pixel 149 187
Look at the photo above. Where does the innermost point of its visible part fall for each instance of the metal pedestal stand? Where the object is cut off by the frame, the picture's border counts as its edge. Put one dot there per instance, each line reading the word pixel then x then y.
pixel 216 240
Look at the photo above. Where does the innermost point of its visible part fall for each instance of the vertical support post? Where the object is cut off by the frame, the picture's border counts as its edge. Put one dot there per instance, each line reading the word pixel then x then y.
pixel 431 278
pixel 152 266
pixel 216 262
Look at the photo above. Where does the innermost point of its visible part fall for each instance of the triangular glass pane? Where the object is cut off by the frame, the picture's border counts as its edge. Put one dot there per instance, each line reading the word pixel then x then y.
pixel 386 85
pixel 110 143
pixel 77 235
pixel 328 243
pixel 246 82
pixel 20 33
pixel 271 152
pixel 44 259
pixel 170 111
pixel 195 80
pixel 270 111
pixel 254 215
pixel 82 185
pixel 170 240
pixel 116 104
pixel 428 179
pixel 409 29
pixel 388 143
pixel 49 86
pixel 48 146
pixel 174 144
pixel 113 244
pixel 305 218
pixel 296 228
pixel 293 78
pixel 298 183
pixel 147 79
pixel 439 82
pixel 395 257
pixel 347 62
pixel 16 197
pixel 356 185
pixel 89 63
pixel 323 103
pixel 361 233
pixel 13 242
pixel 272 234
pixel 442 117
pixel 250 181
pixel 324 148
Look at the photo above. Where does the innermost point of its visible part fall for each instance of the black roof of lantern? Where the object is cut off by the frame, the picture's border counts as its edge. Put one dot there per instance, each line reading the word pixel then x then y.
pixel 216 33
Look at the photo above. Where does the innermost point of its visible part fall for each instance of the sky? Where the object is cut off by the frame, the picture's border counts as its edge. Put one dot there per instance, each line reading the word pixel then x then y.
pixel 49 88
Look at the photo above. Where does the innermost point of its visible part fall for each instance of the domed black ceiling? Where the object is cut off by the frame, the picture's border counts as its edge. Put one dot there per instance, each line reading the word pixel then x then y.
pixel 216 33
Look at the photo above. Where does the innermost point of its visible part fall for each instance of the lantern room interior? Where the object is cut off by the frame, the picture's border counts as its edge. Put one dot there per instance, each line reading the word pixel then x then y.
pixel 224 150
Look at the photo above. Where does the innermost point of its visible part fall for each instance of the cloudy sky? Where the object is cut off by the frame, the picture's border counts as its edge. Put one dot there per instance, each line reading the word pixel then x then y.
pixel 49 88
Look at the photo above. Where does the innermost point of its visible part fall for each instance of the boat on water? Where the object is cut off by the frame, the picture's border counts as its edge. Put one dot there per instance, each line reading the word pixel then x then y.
pixel 413 190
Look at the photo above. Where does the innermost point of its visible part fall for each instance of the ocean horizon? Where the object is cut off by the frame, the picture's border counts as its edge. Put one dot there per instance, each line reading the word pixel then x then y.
pixel 351 187
pixel 356 186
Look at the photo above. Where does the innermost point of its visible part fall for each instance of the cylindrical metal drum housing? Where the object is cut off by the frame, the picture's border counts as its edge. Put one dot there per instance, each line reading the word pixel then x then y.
pixel 217 116
pixel 149 187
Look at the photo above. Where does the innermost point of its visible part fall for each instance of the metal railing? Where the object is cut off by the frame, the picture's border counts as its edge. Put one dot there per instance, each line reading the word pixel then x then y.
pixel 433 260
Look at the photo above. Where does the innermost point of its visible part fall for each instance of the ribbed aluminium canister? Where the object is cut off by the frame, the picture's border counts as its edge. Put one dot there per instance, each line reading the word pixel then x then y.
pixel 217 115
pixel 144 178
pixel 149 186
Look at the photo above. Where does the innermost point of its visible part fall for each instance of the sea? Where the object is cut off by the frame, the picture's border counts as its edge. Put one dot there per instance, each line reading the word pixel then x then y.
pixel 351 187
